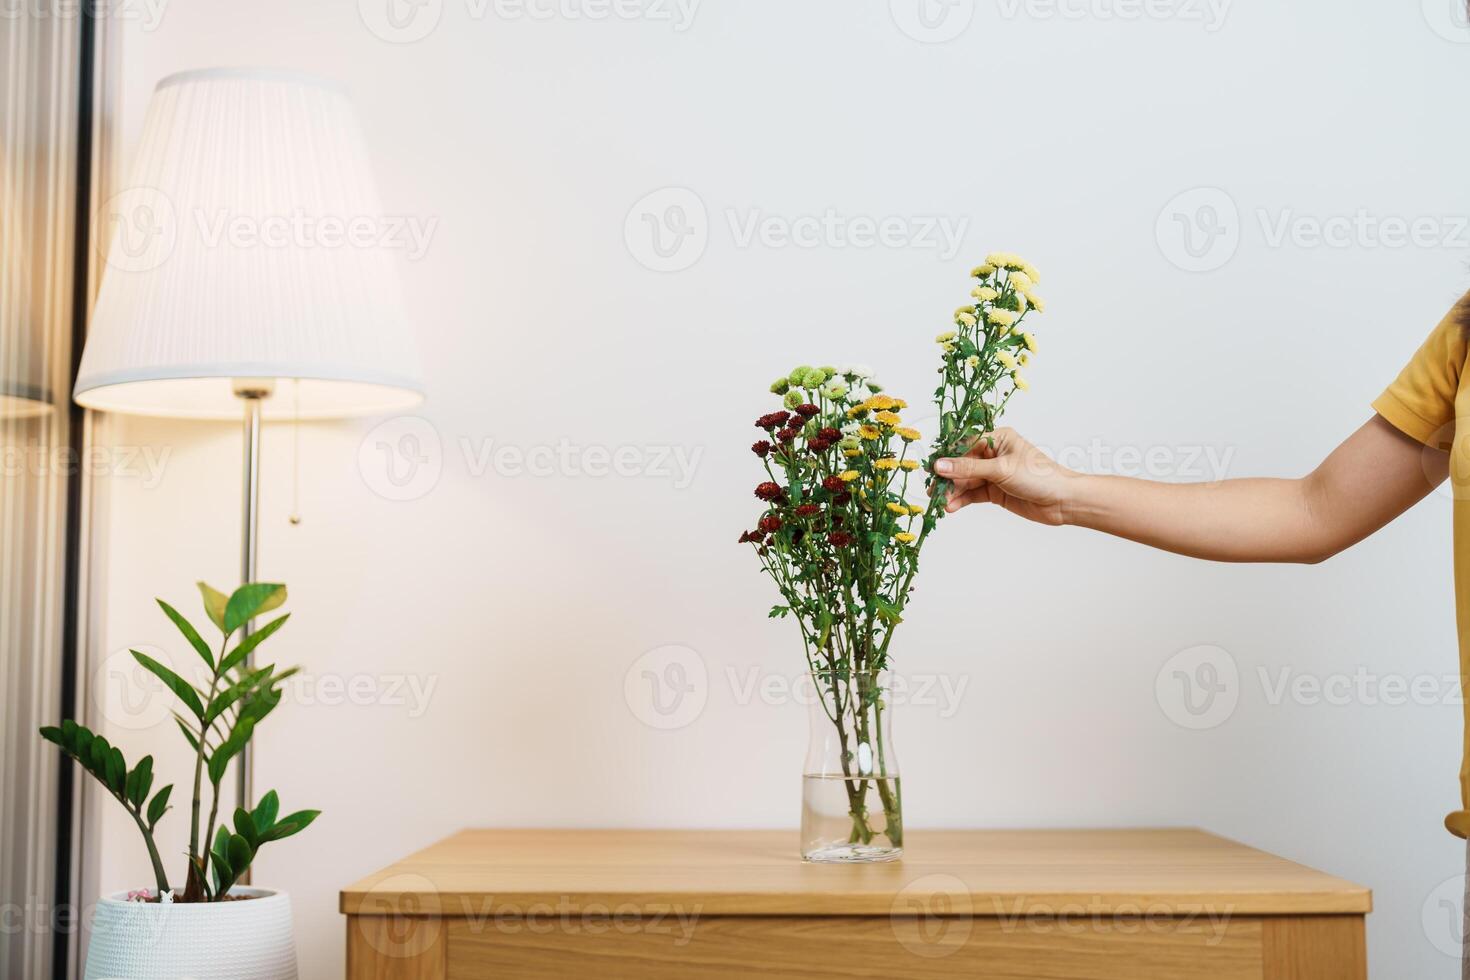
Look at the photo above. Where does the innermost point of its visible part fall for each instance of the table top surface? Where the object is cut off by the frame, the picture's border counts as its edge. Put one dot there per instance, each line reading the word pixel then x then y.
pixel 743 872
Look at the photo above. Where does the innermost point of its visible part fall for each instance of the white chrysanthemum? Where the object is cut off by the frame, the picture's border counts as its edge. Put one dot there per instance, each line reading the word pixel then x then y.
pixel 859 393
pixel 834 389
pixel 862 371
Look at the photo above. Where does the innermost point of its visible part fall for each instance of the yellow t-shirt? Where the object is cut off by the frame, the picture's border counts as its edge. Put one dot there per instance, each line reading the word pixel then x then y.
pixel 1430 394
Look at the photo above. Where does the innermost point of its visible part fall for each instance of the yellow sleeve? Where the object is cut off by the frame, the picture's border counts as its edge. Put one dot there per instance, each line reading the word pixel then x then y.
pixel 1421 401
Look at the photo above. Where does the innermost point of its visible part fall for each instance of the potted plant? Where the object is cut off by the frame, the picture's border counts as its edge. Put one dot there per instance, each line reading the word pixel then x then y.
pixel 840 534
pixel 211 927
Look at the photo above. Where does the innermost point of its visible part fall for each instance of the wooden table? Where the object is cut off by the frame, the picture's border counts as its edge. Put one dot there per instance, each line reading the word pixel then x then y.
pixel 1001 905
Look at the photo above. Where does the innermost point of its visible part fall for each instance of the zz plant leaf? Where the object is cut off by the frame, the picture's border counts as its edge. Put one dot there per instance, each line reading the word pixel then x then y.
pixel 217 720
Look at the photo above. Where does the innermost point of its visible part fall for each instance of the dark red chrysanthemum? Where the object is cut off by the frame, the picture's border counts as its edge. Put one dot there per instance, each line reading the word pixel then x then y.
pixel 773 421
pixel 797 535
pixel 808 410
pixel 833 484
pixel 744 537
pixel 786 435
pixel 842 498
pixel 830 434
pixel 770 524
pixel 808 510
pixel 768 491
pixel 839 539
pixel 757 536
pixel 761 448
pixel 818 445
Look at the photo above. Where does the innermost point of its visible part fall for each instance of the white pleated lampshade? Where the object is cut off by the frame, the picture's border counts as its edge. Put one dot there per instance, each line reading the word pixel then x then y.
pixel 249 244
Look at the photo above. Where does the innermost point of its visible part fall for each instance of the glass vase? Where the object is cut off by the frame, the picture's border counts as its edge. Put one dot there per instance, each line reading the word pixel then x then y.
pixel 851 808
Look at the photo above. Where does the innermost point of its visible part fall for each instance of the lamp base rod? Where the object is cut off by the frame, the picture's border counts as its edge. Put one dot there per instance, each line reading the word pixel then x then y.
pixel 252 394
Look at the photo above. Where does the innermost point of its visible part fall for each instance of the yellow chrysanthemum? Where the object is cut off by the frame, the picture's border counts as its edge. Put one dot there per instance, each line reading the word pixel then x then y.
pixel 965 318
pixel 984 293
pixel 1006 360
pixel 949 348
pixel 981 271
pixel 886 464
pixel 850 453
pixel 869 432
pixel 1020 302
pixel 857 411
pixel 898 508
pixel 1021 382
pixel 1019 280
pixel 899 405
pixel 909 435
pixel 1036 302
pixel 888 418
pixel 972 362
pixel 904 537
pixel 1024 359
pixel 881 403
pixel 997 259
pixel 910 464
pixel 847 476
pixel 945 337
pixel 1002 318
pixel 1030 339
pixel 916 509
pixel 1031 272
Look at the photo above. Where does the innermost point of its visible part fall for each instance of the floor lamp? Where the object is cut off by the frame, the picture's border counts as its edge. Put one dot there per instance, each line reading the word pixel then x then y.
pixel 249 274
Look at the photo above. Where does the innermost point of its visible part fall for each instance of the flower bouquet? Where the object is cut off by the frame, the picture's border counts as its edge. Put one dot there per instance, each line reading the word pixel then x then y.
pixel 840 534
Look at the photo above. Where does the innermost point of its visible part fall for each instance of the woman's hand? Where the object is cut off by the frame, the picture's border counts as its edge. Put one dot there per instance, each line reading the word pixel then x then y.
pixel 1005 469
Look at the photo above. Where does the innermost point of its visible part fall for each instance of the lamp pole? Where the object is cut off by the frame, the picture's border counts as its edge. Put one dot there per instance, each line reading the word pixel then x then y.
pixel 251 392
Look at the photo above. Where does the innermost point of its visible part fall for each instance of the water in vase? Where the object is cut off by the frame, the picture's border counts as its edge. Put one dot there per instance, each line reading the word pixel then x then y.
pixel 856 819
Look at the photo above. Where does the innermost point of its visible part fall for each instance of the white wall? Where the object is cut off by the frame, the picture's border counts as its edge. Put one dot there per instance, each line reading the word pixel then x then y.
pixel 525 599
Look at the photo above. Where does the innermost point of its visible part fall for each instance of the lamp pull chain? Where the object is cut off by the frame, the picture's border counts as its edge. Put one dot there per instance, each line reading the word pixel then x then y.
pixel 296 451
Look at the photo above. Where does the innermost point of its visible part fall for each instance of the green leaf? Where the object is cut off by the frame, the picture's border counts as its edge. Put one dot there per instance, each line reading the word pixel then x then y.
pixel 117 772
pixel 245 826
pixel 214 604
pixel 234 692
pixel 140 781
pixel 158 805
pixel 224 875
pixel 264 814
pixel 291 825
pixel 220 760
pixel 778 612
pixel 191 736
pixel 240 853
pixel 888 612
pixel 247 645
pixel 175 683
pixel 190 633
pixel 250 601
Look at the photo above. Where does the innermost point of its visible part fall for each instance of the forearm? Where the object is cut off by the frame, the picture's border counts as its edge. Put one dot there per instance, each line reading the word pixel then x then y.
pixel 1233 520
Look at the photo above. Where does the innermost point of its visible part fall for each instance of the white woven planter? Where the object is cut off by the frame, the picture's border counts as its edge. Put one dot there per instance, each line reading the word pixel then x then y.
pixel 199 941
